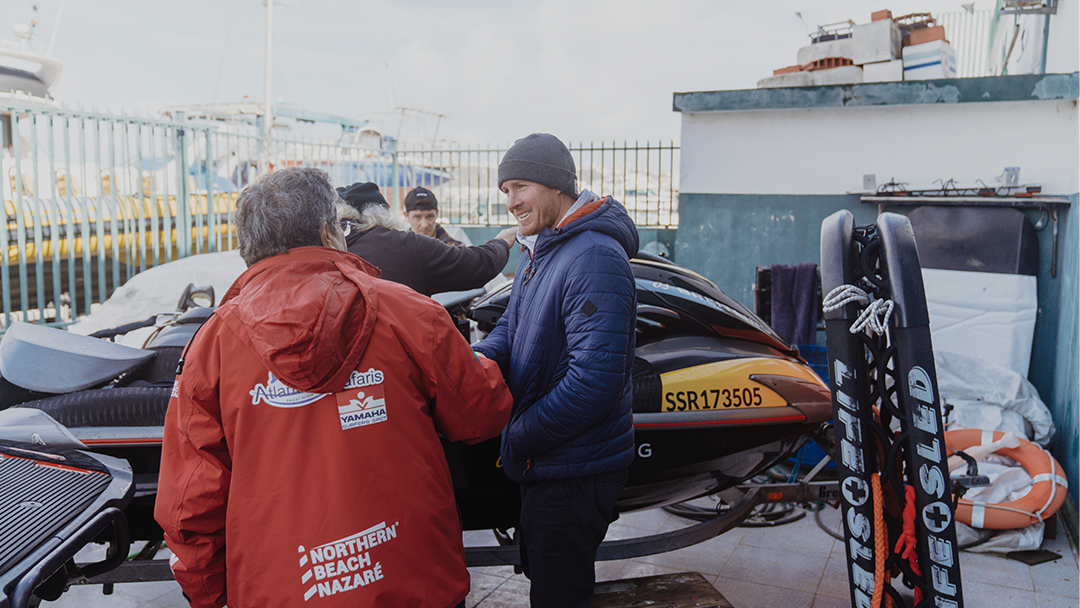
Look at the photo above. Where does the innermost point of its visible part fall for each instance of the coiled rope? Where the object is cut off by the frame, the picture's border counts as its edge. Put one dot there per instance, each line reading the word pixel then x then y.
pixel 874 317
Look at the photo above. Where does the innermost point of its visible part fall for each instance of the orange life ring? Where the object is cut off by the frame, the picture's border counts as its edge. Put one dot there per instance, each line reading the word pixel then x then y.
pixel 1047 493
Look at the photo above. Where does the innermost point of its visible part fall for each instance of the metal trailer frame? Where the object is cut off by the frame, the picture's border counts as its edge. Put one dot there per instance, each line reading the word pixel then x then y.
pixel 138 571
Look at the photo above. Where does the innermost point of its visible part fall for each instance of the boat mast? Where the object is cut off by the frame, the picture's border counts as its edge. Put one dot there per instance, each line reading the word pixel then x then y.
pixel 268 113
pixel 56 26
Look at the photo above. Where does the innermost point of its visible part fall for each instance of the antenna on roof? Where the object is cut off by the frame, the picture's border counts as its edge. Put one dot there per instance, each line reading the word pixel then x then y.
pixel 805 24
pixel 56 25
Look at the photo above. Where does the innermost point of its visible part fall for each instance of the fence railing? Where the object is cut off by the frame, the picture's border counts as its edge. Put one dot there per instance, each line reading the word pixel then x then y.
pixel 644 178
pixel 93 199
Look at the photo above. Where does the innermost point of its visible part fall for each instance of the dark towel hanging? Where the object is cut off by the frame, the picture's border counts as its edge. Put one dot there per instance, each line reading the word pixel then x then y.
pixel 794 302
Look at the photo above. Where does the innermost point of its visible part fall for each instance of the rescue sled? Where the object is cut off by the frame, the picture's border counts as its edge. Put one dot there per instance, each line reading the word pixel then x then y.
pixel 718 398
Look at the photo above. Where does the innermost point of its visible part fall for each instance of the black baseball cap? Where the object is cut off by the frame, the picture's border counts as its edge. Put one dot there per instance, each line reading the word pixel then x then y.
pixel 420 199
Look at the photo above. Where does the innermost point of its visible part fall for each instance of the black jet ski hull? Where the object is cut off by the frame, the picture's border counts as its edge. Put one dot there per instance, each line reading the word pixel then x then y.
pixel 53 501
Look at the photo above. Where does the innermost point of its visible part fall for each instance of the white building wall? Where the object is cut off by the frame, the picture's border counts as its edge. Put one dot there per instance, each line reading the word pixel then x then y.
pixel 1063 43
pixel 828 150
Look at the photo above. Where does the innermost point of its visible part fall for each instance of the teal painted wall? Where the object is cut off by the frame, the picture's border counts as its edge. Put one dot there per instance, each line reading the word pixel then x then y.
pixel 482 234
pixel 726 236
pixel 1055 361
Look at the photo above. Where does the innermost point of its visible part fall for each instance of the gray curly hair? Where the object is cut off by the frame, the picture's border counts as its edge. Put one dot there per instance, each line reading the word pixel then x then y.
pixel 370 217
pixel 283 210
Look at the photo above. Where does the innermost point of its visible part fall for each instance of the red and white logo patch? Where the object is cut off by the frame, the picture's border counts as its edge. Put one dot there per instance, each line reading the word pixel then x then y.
pixel 361 406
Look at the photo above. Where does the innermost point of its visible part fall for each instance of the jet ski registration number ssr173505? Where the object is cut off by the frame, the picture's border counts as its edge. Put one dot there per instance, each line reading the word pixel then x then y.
pixel 724 385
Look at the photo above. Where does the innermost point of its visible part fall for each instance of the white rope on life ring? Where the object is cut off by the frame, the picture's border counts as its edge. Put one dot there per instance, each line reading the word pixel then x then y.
pixel 1047 493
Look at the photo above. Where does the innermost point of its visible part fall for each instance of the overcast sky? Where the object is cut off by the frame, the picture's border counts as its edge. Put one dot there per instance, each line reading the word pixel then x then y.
pixel 498 69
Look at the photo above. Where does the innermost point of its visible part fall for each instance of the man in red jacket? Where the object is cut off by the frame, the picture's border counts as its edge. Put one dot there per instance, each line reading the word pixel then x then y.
pixel 301 463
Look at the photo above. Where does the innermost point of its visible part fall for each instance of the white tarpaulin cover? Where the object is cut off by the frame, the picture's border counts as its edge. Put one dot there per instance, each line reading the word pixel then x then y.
pixel 1008 481
pixel 986 395
pixel 982 314
pixel 158 289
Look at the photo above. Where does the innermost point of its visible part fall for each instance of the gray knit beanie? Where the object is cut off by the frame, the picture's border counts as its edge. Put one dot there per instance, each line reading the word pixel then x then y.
pixel 543 159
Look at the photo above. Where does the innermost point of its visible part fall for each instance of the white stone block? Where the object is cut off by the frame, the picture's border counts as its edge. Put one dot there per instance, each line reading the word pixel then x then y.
pixel 845 74
pixel 821 50
pixel 930 60
pixel 875 42
pixel 791 79
pixel 883 71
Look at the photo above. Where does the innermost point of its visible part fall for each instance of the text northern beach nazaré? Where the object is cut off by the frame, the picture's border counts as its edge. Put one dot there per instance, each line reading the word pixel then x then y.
pixel 346 564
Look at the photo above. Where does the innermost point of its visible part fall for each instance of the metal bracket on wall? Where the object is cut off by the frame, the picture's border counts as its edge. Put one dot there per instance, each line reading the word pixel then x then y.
pixel 1048 205
pixel 1024 7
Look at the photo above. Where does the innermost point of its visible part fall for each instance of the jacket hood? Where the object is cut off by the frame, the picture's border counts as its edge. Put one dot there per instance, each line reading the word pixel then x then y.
pixel 605 215
pixel 307 314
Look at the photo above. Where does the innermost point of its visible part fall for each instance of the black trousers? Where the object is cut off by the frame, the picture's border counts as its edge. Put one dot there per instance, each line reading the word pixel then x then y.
pixel 563 522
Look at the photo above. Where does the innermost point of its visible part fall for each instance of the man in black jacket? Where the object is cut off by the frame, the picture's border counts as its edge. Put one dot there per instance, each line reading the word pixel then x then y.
pixel 426 264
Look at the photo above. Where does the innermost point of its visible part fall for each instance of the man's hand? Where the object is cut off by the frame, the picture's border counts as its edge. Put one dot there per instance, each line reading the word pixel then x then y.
pixel 508 235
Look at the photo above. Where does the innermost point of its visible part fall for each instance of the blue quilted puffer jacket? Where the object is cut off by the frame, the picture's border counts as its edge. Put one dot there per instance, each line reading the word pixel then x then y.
pixel 566 347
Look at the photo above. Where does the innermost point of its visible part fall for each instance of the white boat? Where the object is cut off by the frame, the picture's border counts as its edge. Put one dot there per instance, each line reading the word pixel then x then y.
pixel 24 70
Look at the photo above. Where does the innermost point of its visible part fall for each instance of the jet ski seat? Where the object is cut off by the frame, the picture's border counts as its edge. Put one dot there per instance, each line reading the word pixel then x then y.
pixel 73 362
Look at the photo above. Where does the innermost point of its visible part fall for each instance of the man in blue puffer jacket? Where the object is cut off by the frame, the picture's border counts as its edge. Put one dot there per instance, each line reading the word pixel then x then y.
pixel 566 347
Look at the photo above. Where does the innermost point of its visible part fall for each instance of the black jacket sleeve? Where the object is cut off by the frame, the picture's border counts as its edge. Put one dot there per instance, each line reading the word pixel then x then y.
pixel 449 268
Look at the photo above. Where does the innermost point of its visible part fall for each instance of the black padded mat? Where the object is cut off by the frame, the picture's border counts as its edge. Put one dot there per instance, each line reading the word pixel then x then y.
pixel 1033 558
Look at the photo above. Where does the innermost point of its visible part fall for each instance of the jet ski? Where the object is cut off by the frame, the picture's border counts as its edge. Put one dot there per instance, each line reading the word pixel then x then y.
pixel 718 397
pixel 54 501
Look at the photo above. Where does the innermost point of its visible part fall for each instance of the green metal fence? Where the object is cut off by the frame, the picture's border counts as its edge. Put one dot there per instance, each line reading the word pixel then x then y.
pixel 92 199
pixel 644 178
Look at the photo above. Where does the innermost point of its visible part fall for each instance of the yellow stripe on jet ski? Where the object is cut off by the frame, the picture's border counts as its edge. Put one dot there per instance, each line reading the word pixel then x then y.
pixel 727 384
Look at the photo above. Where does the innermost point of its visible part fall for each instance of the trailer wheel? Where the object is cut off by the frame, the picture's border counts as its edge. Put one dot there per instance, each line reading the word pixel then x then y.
pixel 123 406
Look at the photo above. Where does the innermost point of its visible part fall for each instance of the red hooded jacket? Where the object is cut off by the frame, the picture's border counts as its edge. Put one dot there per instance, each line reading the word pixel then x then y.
pixel 301 463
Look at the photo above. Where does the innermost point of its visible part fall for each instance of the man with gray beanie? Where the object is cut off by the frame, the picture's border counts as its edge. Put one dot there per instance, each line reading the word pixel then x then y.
pixel 566 346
